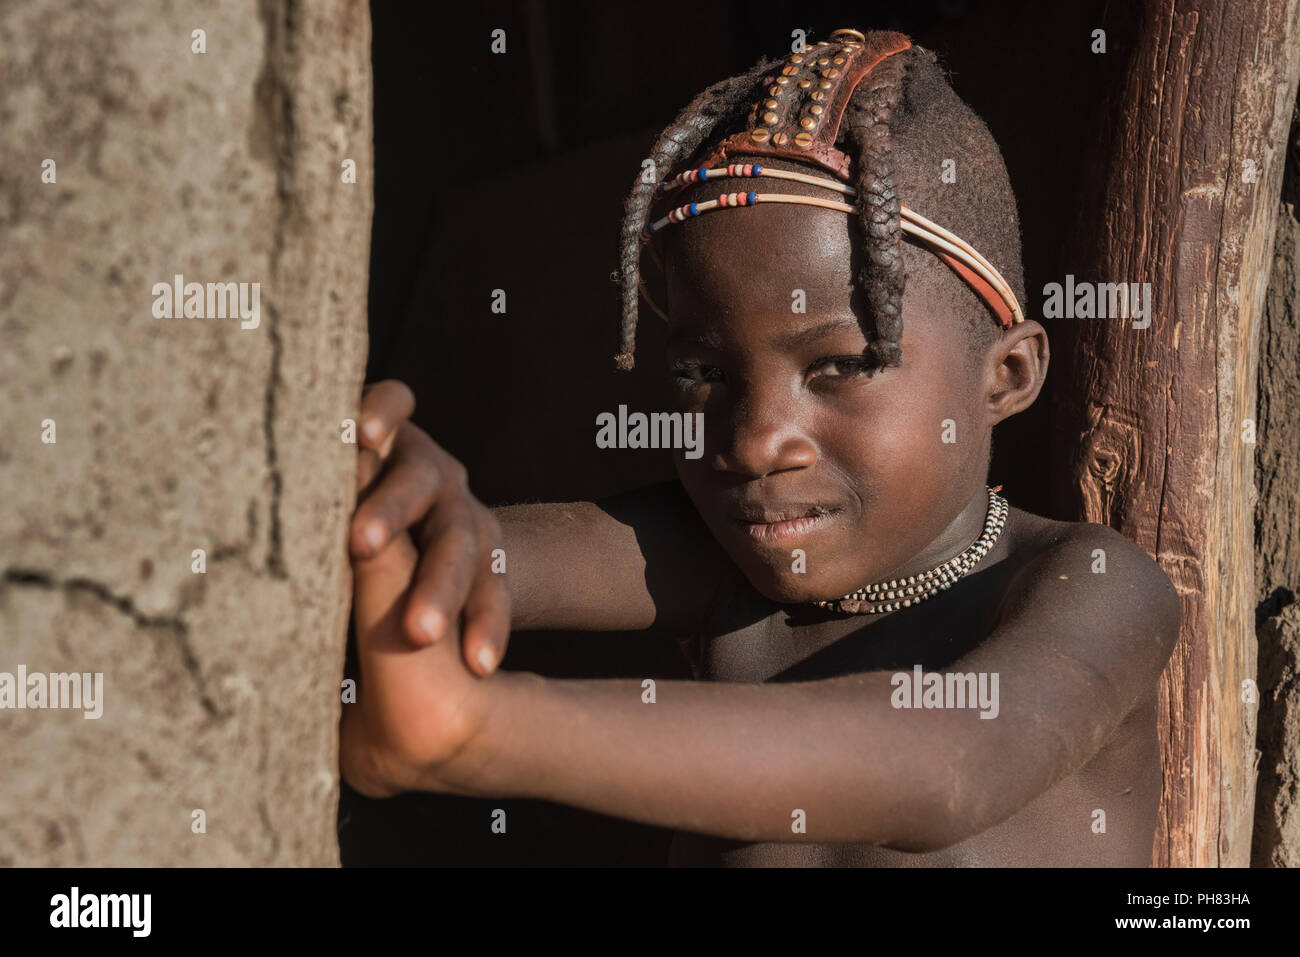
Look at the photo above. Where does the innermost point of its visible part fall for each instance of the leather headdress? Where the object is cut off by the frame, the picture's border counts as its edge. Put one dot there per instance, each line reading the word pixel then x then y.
pixel 815 85
pixel 797 117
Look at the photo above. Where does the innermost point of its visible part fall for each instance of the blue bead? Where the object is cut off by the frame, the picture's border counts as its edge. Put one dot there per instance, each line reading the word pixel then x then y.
pixel 757 169
pixel 695 209
pixel 704 172
pixel 753 198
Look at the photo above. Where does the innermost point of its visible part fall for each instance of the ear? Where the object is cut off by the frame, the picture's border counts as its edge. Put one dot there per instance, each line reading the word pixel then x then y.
pixel 1014 370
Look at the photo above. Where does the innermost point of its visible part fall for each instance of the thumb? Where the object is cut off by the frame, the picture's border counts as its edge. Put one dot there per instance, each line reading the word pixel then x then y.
pixel 380 585
pixel 410 696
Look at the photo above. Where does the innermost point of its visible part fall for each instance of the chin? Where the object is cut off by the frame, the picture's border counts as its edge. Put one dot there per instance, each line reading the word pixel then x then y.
pixel 786 587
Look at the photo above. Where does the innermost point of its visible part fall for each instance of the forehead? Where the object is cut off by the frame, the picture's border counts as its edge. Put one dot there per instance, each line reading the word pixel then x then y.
pixel 737 271
pixel 755 258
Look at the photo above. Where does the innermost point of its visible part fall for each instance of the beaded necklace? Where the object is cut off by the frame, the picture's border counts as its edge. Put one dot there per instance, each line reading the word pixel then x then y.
pixel 904 592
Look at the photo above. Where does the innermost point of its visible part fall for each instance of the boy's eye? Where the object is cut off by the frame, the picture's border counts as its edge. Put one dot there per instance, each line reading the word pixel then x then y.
pixel 843 367
pixel 696 372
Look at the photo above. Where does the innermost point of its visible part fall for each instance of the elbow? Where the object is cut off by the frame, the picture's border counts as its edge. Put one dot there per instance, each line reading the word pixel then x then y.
pixel 939 834
pixel 944 812
pixel 935 832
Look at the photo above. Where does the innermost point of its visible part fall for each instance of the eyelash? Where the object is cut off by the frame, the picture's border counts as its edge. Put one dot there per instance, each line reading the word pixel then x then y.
pixel 682 371
pixel 860 365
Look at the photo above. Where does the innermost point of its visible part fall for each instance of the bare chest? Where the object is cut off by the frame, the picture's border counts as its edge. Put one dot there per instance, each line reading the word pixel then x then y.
pixel 1103 814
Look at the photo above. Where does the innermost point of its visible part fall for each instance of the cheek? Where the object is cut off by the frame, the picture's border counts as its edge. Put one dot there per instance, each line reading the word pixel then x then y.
pixel 900 440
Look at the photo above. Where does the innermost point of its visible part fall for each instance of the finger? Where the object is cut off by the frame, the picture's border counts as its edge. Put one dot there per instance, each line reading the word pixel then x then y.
pixel 394 691
pixel 368 466
pixel 487 622
pixel 407 443
pixel 384 407
pixel 414 449
pixel 449 549
pixel 401 497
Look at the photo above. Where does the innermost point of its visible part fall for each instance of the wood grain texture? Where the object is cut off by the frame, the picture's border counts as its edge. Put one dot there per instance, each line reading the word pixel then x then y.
pixel 1149 424
pixel 1277 539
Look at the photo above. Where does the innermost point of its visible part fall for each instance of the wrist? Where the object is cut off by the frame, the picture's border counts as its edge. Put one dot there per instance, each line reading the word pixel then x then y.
pixel 483 765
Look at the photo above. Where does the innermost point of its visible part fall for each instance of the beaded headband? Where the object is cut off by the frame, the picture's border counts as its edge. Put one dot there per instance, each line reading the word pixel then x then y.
pixel 799 120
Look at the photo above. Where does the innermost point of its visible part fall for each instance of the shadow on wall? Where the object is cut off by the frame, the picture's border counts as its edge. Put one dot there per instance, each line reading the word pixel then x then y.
pixel 509 172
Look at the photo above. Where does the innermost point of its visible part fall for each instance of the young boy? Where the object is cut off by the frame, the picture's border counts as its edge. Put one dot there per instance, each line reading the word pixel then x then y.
pixel 894 669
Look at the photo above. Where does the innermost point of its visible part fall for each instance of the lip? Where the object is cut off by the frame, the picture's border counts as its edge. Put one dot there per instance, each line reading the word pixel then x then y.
pixel 774 525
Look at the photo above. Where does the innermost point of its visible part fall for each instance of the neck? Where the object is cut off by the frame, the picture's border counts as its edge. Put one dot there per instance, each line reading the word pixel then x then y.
pixel 958 535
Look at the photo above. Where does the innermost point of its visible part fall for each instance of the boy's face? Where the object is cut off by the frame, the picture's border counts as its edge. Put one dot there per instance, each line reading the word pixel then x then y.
pixel 804 447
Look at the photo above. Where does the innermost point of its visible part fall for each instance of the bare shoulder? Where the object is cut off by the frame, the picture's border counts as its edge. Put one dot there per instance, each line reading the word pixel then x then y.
pixel 1090 580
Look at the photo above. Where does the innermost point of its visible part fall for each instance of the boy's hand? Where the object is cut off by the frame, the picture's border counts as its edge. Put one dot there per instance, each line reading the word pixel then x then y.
pixel 417 708
pixel 405 480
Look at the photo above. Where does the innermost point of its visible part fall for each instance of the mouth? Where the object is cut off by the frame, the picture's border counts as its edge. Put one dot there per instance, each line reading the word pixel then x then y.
pixel 773 525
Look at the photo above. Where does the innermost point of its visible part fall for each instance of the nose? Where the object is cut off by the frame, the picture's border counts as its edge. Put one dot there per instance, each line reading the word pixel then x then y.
pixel 764 438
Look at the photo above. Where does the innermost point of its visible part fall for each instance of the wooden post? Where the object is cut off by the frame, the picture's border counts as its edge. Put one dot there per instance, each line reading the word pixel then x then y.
pixel 1153 427
pixel 1277 539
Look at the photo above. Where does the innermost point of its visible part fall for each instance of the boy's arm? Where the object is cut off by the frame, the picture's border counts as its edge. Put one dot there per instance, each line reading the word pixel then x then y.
pixel 639 560
pixel 530 566
pixel 1073 657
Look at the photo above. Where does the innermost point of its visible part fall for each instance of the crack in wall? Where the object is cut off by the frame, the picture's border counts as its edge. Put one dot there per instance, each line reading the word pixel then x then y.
pixel 275 124
pixel 274 835
pixel 35 578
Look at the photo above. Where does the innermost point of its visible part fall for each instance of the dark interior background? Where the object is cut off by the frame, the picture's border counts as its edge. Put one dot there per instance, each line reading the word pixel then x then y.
pixel 510 171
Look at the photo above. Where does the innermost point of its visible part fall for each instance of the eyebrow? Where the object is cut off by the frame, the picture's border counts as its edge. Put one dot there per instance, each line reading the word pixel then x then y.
pixel 806 336
pixel 791 340
pixel 683 334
